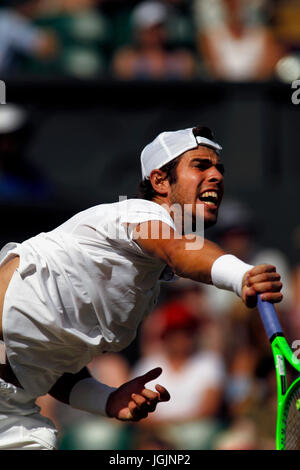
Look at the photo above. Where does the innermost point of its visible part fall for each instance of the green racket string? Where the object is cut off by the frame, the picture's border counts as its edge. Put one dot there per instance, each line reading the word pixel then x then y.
pixel 292 413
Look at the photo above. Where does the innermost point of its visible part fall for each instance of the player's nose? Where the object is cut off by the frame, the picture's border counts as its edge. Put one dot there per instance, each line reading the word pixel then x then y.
pixel 214 175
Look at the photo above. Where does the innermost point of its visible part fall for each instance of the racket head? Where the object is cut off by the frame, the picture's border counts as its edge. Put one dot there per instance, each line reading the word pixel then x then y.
pixel 288 410
pixel 288 419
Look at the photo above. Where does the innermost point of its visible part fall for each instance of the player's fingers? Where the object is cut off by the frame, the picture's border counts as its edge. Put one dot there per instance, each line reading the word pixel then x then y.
pixel 264 277
pixel 250 298
pixel 163 393
pixel 152 399
pixel 151 375
pixel 140 402
pixel 261 268
pixel 272 297
pixel 270 286
pixel 135 412
pixel 150 395
pixel 132 406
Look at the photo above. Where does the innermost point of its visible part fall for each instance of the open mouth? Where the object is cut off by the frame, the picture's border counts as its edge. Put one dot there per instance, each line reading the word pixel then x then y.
pixel 210 198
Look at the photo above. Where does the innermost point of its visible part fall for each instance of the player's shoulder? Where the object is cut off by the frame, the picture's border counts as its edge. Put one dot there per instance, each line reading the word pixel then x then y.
pixel 141 207
pixel 123 203
pixel 139 203
pixel 122 212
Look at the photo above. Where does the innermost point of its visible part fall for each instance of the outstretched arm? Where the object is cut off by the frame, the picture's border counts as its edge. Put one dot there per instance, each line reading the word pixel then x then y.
pixel 130 402
pixel 197 260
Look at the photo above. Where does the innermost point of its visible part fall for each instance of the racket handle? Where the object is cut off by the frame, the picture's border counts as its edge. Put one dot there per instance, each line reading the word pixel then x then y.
pixel 269 317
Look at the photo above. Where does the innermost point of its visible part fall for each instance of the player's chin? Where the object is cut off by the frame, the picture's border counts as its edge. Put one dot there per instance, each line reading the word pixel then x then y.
pixel 210 218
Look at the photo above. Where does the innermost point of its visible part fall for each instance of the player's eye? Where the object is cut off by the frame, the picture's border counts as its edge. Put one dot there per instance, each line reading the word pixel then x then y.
pixel 220 167
pixel 203 165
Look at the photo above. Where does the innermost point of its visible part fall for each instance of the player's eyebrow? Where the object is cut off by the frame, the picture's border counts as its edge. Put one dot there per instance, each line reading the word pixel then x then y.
pixel 208 161
pixel 203 160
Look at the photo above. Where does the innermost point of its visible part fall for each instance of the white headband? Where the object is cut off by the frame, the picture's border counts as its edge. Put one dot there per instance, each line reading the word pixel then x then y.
pixel 169 145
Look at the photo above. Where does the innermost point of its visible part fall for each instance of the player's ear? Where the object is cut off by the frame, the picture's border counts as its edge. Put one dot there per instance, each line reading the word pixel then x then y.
pixel 159 182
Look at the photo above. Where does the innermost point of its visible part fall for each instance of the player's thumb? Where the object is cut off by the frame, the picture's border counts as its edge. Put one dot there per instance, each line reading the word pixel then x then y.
pixel 250 297
pixel 151 375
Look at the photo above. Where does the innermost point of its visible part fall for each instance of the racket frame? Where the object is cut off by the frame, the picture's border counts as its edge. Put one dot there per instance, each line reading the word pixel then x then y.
pixel 281 352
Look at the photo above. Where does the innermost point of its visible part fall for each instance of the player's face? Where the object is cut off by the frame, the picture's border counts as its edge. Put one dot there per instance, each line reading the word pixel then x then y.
pixel 199 182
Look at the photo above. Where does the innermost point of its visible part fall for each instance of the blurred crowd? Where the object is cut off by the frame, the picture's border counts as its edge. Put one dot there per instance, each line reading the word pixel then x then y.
pixel 216 361
pixel 233 40
pixel 215 356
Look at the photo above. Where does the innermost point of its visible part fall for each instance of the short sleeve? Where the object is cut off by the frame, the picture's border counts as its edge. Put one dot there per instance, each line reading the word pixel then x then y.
pixel 138 211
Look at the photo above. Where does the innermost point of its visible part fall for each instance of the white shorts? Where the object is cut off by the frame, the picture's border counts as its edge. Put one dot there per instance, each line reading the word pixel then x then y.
pixel 22 427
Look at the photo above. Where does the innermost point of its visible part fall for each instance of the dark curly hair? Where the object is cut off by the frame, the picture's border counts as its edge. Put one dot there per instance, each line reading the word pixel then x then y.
pixel 146 191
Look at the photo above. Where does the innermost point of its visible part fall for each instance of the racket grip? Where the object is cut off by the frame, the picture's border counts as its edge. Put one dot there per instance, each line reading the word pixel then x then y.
pixel 269 317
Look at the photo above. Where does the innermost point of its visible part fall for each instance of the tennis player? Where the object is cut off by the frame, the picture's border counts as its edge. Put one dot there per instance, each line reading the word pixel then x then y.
pixel 82 289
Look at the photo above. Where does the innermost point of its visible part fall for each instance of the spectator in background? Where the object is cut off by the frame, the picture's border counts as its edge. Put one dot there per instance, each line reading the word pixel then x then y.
pixel 237 233
pixel 250 389
pixel 189 419
pixel 19 180
pixel 251 401
pixel 149 56
pixel 234 44
pixel 241 435
pixel 18 36
pixel 84 35
pixel 194 297
pixel 286 19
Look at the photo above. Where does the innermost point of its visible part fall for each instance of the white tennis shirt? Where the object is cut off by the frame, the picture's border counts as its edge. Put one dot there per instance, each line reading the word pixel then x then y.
pixel 80 290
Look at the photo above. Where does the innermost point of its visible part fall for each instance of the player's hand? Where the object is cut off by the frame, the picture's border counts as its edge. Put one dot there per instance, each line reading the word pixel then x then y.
pixel 132 401
pixel 262 279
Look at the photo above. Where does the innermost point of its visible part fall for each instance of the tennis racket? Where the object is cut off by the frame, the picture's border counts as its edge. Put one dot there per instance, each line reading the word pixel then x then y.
pixel 288 404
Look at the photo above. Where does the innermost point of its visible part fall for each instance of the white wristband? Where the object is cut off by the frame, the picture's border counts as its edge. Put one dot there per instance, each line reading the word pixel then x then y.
pixel 90 395
pixel 227 273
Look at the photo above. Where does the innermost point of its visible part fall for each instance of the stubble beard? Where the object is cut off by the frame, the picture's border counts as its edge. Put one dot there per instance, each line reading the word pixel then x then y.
pixel 177 198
